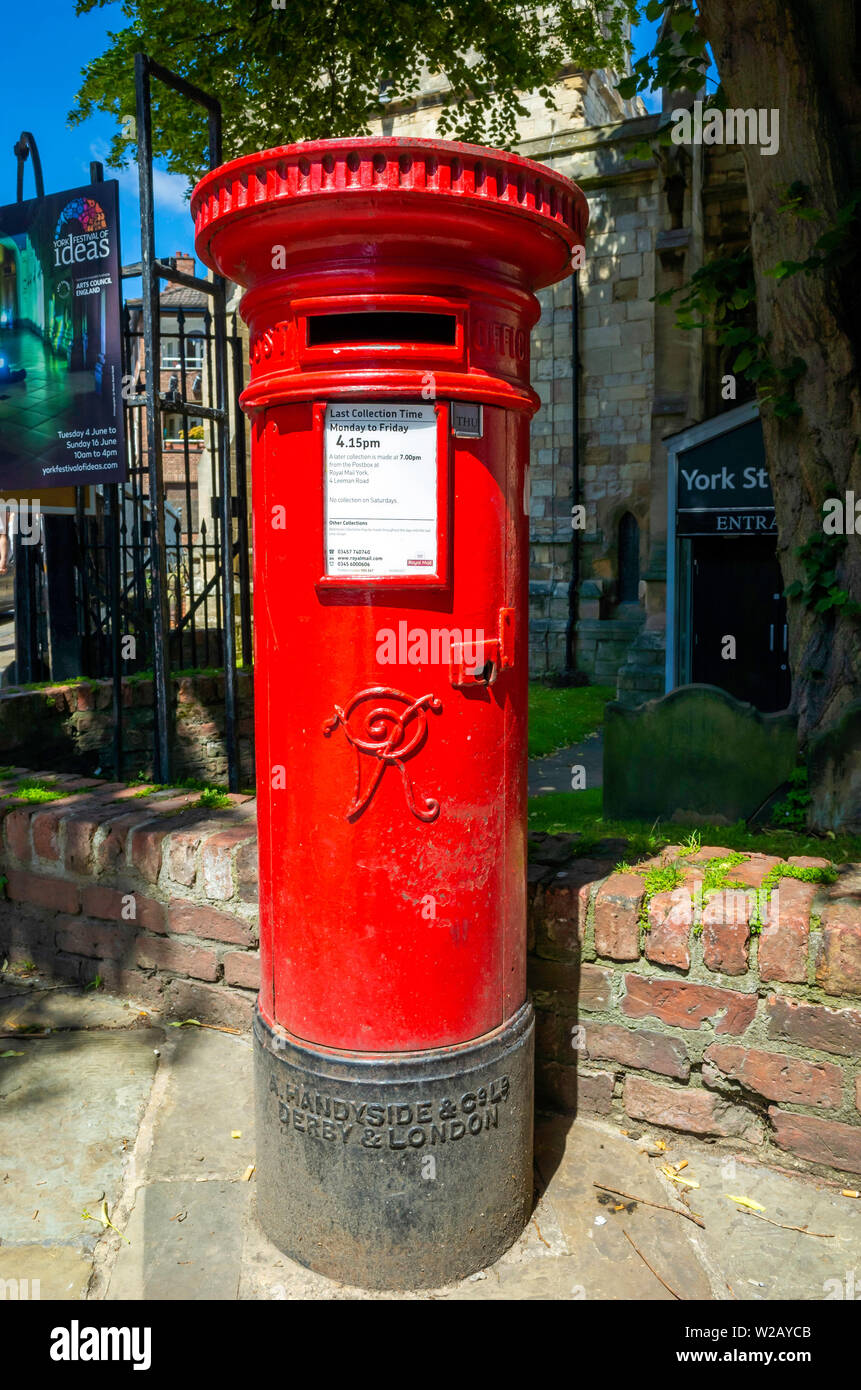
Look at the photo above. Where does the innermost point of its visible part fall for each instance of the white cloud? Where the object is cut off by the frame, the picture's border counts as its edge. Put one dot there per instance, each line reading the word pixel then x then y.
pixel 169 190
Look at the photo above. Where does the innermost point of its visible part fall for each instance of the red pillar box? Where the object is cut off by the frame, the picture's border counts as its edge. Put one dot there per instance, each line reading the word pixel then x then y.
pixel 390 301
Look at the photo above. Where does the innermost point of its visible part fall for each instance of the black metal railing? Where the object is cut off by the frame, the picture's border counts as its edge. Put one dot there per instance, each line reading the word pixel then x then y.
pixel 161 562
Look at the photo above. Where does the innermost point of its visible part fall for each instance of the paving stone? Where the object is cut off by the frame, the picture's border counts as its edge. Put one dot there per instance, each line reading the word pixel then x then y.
pixel 209 1096
pixel 68 1106
pixel 194 1258
pixel 44 1272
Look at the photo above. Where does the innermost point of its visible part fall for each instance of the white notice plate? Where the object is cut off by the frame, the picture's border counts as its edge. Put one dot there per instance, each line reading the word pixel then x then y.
pixel 381 489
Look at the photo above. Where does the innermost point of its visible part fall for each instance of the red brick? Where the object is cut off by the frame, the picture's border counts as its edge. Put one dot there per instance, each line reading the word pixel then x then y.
pixel 571 1090
pixel 637 1048
pixel 814 1025
pixel 847 883
pixel 192 919
pixel 775 1075
pixel 110 852
pixel 56 894
pixel 164 954
pixel 554 976
pixel 784 938
pixel 804 861
pixel 552 1036
pixel 858 1093
pixel 686 1005
pixel 80 832
pixel 693 1111
pixel 668 937
pixel 838 965
pixel 247 871
pixel 707 852
pixel 180 856
pixel 596 987
pixel 25 932
pixel 563 907
pixel 726 932
pixel 137 985
pixel 242 968
pixel 84 937
pixel 819 1141
pixel 46 836
pixel 98 901
pixel 215 861
pixel 668 855
pixel 754 869
pixel 165 803
pixel 209 1003
pixel 16 828
pixel 146 848
pixel 80 969
pixel 617 904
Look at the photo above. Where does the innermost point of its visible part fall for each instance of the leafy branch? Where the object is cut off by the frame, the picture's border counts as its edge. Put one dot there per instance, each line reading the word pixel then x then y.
pixel 821 590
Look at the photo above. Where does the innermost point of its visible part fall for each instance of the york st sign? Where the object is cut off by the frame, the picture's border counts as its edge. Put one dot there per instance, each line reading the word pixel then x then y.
pixel 722 487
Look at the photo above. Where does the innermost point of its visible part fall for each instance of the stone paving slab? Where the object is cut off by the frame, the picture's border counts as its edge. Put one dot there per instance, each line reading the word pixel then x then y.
pixel 71 1107
pixel 768 1262
pixel 185 1242
pixel 36 1004
pixel 49 1272
pixel 208 1099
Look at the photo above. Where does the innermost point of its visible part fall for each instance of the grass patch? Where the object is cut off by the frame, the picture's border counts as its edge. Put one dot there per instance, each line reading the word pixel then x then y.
pixel 212 796
pixel 35 789
pixel 807 873
pixel 792 810
pixel 43 789
pixel 559 717
pixel 213 799
pixel 661 878
pixel 53 685
pixel 581 814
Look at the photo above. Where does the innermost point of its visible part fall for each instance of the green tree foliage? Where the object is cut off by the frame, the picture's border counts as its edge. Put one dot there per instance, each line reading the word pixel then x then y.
pixel 317 68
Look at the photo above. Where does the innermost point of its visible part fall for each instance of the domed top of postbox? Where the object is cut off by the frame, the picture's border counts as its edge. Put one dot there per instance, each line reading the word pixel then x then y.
pixel 361 202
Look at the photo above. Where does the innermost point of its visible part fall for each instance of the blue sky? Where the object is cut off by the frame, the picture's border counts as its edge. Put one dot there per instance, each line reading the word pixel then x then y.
pixel 44 52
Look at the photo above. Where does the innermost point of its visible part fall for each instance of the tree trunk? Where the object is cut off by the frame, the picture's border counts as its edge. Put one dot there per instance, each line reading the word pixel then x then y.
pixel 790 56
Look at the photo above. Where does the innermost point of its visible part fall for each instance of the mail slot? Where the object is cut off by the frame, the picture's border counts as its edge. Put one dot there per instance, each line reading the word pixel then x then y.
pixel 380 327
pixel 390 294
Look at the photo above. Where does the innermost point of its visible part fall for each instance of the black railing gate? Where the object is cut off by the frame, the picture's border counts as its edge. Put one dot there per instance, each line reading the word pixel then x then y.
pixel 160 564
pixel 153 271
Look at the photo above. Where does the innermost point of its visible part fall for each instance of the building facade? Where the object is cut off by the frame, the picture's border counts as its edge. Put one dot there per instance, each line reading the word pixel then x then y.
pixel 628 586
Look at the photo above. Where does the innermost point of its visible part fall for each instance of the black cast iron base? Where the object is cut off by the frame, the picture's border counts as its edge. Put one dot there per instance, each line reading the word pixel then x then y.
pixel 395 1171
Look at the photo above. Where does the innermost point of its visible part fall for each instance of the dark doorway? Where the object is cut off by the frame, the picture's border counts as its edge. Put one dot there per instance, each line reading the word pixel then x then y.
pixel 737 591
pixel 629 559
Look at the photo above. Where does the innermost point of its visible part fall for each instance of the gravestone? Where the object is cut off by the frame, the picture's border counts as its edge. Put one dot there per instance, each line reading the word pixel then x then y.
pixel 697 753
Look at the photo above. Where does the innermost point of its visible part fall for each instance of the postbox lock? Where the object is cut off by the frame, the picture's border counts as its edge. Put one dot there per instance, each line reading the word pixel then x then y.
pixel 479 663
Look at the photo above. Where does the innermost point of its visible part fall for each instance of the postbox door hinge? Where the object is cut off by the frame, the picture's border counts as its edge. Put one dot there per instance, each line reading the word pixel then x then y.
pixel 479 662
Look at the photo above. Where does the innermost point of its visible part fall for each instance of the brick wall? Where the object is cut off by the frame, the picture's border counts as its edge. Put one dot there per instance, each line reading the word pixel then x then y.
pixel 154 894
pixel 698 1022
pixel 69 728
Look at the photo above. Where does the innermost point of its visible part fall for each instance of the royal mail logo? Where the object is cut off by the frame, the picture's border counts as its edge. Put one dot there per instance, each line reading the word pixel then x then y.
pixel 87 237
pixel 492 335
